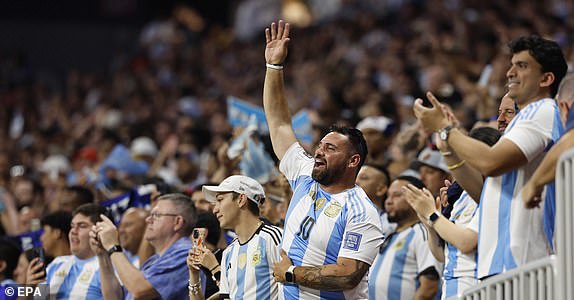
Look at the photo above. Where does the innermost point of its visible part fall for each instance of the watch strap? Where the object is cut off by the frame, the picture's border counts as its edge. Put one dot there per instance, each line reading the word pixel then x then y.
pixel 115 248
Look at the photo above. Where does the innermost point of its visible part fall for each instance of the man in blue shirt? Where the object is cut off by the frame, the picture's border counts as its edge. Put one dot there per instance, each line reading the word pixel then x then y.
pixel 169 225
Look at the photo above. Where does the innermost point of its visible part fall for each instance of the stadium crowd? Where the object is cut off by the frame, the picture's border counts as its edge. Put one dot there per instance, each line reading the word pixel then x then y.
pixel 449 117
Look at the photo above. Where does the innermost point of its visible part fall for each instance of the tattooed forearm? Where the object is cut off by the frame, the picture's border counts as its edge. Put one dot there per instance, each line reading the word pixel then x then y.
pixel 331 277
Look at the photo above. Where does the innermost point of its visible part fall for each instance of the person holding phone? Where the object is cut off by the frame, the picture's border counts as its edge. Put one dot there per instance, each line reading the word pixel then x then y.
pixel 75 276
pixel 247 265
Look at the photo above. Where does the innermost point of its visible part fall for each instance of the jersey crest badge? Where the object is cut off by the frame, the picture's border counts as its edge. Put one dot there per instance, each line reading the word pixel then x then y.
pixel 242 260
pixel 320 203
pixel 85 276
pixel 399 244
pixel 333 210
pixel 256 258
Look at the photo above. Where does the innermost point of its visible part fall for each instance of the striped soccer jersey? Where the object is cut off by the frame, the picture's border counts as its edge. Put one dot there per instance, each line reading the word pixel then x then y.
pixel 247 270
pixel 72 278
pixel 320 227
pixel 508 233
pixel 459 269
pixel 401 259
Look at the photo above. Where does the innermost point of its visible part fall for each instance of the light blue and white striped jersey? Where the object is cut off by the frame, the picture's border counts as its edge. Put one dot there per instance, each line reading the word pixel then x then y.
pixel 247 270
pixel 72 278
pixel 459 269
pixel 321 227
pixel 401 259
pixel 509 234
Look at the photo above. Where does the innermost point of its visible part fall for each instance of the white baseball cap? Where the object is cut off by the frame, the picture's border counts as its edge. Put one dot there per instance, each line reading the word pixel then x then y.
pixel 239 184
pixel 431 158
pixel 143 145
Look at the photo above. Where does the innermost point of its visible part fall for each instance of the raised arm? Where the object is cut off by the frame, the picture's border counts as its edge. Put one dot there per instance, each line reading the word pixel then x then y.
pixel 274 102
pixel 423 203
pixel 504 156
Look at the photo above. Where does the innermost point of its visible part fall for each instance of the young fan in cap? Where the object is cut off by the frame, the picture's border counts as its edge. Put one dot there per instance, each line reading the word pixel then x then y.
pixel 433 170
pixel 248 261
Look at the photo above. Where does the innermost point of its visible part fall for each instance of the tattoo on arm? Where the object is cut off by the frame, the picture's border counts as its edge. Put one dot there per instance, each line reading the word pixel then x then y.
pixel 324 278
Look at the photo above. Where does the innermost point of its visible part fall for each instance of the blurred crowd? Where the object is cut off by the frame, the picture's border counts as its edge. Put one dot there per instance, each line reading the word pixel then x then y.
pixel 158 117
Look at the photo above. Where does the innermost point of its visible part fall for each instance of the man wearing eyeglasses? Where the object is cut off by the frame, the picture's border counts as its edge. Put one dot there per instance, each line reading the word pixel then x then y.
pixel 169 225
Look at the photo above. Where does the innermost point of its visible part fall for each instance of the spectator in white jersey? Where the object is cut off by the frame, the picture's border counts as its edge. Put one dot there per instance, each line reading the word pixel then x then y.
pixel 546 172
pixel 248 261
pixel 375 181
pixel 459 253
pixel 332 229
pixel 75 276
pixel 169 225
pixel 404 267
pixel 537 67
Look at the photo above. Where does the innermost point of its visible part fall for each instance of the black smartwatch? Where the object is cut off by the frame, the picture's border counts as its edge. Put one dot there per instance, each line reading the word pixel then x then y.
pixel 289 276
pixel 432 218
pixel 115 248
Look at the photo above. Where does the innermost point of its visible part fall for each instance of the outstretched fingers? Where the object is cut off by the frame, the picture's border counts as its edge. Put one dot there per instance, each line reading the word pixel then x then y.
pixel 273 31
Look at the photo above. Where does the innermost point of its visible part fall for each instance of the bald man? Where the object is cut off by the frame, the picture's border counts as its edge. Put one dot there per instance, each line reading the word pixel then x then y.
pixel 131 230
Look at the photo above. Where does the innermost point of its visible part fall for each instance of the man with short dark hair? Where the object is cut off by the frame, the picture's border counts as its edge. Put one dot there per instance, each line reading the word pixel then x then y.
pixel 169 225
pixel 75 276
pixel 332 229
pixel 55 230
pixel 537 67
pixel 9 254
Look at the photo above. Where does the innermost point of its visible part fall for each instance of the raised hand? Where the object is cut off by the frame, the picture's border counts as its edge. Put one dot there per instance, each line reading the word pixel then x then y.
pixel 277 39
pixel 95 244
pixel 422 201
pixel 107 232
pixel 433 118
pixel 443 193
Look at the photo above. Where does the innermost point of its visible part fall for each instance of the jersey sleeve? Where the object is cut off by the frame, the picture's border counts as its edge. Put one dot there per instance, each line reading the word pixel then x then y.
pixel 363 234
pixel 296 163
pixel 473 224
pixel 532 131
pixel 467 214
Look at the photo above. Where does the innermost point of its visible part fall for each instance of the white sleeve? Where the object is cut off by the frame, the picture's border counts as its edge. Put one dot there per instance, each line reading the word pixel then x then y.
pixel 362 237
pixel 473 224
pixel 467 214
pixel 533 131
pixel 295 163
pixel 223 282
pixel 423 255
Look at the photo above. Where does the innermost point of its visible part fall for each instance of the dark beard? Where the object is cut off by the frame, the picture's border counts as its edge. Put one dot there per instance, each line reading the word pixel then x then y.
pixel 399 216
pixel 323 177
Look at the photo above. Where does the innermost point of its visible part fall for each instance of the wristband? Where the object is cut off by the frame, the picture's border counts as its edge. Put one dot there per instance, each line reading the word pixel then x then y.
pixel 456 166
pixel 211 270
pixel 274 66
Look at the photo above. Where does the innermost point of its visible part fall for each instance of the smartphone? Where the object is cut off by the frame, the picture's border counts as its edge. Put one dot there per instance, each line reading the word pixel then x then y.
pixel 198 237
pixel 40 253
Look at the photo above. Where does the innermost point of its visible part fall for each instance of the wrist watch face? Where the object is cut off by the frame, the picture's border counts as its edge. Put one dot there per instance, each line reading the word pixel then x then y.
pixel 443 134
pixel 288 276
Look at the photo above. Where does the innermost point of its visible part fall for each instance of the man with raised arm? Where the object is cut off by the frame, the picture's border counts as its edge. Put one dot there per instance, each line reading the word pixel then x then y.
pixel 332 230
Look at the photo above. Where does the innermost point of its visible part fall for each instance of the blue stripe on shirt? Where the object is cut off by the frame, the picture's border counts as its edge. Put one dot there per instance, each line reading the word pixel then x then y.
pixel 262 273
pixel 502 258
pixel 395 283
pixel 241 272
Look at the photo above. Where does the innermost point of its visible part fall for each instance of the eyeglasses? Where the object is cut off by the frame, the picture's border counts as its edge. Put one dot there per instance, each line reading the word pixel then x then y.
pixel 156 215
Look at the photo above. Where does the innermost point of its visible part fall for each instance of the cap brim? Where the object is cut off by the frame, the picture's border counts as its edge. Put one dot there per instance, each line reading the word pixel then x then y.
pixel 210 191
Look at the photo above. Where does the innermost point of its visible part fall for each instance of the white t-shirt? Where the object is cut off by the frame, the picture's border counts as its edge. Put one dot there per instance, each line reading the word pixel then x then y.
pixel 508 234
